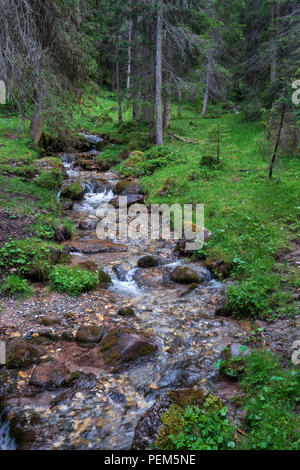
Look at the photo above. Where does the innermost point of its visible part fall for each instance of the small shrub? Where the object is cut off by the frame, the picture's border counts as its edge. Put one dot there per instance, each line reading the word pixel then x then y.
pixel 14 286
pixel 50 179
pixel 72 280
pixel 195 428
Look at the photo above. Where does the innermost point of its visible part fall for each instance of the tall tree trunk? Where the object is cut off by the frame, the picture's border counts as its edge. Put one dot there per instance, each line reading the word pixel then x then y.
pixel 128 81
pixel 167 111
pixel 159 47
pixel 207 84
pixel 118 78
pixel 37 123
pixel 273 64
pixel 179 103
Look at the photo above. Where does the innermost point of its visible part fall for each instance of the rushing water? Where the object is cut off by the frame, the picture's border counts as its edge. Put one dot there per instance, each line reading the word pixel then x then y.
pixel 186 330
pixel 6 442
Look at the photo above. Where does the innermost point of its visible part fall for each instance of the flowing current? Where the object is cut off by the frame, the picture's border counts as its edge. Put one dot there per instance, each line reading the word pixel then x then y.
pixel 183 323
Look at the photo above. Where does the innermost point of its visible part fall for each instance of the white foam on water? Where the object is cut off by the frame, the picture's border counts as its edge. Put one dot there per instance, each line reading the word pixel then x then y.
pixel 6 442
pixel 128 286
pixel 92 201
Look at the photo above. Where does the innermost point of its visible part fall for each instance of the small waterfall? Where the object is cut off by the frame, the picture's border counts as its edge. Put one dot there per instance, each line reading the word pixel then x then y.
pixel 126 285
pixel 6 441
pixel 92 200
pixel 68 162
pixel 92 139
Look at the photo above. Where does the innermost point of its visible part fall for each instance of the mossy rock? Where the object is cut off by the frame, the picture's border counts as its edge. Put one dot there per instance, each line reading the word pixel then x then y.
pixel 22 354
pixel 123 344
pixel 73 191
pixel 126 187
pixel 126 312
pixel 89 334
pixel 185 275
pixel 172 422
pixel 148 261
pixel 104 278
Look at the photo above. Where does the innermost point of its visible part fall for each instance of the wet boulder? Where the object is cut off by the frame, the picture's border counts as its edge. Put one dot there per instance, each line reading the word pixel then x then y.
pixel 95 246
pixel 126 312
pixel 126 187
pixel 219 267
pixel 89 334
pixel 104 278
pixel 148 261
pixel 22 354
pixel 50 375
pixel 73 191
pixel 131 199
pixel 122 344
pixel 185 275
pixel 89 265
pixel 151 277
pixel 88 223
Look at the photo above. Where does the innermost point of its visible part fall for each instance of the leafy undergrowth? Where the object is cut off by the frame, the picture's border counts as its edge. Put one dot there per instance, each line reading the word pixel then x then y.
pixel 72 280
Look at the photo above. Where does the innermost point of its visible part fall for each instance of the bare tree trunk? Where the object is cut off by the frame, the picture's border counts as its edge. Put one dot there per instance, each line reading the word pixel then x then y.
pixel 179 103
pixel 278 139
pixel 128 81
pixel 273 65
pixel 135 110
pixel 118 78
pixel 37 123
pixel 159 46
pixel 207 85
pixel 167 111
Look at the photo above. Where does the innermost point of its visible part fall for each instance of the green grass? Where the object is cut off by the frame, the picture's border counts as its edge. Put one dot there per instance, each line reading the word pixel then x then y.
pixel 14 286
pixel 272 397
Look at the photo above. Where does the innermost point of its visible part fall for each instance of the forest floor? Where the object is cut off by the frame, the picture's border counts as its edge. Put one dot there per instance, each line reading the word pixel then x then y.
pixel 255 224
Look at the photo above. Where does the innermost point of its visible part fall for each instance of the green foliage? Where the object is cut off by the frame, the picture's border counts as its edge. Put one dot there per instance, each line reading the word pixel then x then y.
pixel 271 403
pixel 30 255
pixel 140 164
pixel 197 428
pixel 47 227
pixel 72 280
pixel 50 179
pixel 14 286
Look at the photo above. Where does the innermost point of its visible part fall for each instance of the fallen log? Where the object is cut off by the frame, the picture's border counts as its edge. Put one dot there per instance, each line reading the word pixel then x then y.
pixel 182 139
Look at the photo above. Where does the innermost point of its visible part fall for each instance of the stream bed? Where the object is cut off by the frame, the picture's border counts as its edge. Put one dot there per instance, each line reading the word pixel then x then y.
pixel 102 410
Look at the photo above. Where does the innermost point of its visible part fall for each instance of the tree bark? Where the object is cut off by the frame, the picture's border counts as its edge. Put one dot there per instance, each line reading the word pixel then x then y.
pixel 273 65
pixel 159 47
pixel 118 78
pixel 128 81
pixel 179 103
pixel 167 111
pixel 207 84
pixel 37 123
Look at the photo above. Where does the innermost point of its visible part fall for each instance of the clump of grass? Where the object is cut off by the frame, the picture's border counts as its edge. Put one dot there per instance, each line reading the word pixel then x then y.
pixel 51 179
pixel 72 280
pixel 14 286
pixel 271 402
